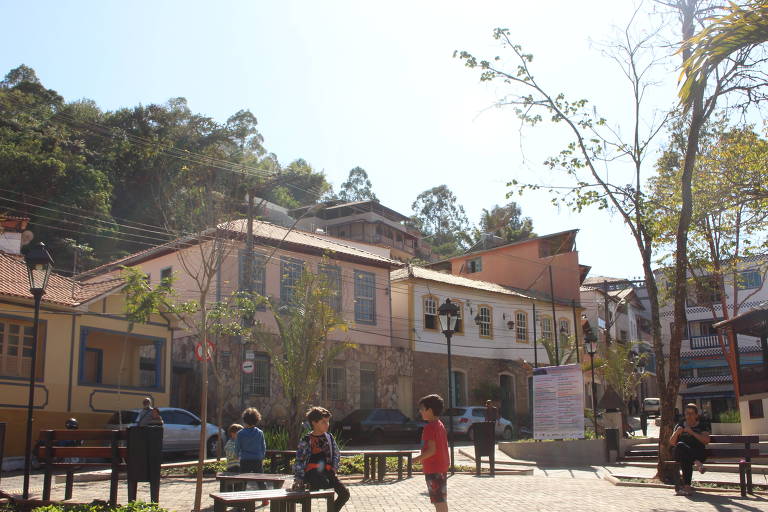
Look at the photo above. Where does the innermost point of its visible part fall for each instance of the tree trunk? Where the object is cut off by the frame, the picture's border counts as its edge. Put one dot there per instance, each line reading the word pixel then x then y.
pixel 203 404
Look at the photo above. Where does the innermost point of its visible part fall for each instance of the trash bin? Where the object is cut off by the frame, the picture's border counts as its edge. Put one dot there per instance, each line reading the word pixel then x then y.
pixel 485 444
pixel 145 446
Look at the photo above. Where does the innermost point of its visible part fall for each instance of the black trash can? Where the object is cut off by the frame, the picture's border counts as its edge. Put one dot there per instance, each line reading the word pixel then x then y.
pixel 145 447
pixel 485 444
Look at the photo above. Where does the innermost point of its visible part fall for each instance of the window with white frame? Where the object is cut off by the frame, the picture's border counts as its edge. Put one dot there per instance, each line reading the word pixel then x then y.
pixel 459 328
pixel 430 312
pixel 16 343
pixel 750 280
pixel 521 326
pixel 485 321
pixel 474 265
pixel 546 328
pixel 365 297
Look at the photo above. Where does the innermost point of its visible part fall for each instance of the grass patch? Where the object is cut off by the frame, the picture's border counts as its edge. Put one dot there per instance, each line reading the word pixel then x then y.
pixel 137 506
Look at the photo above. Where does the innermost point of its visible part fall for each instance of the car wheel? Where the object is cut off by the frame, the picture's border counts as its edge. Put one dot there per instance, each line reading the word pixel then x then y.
pixel 507 434
pixel 212 445
pixel 377 437
pixel 471 433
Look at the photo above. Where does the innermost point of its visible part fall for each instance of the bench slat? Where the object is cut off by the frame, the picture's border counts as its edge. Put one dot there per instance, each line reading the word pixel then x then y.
pixel 752 439
pixel 82 435
pixel 102 452
pixel 270 494
pixel 732 452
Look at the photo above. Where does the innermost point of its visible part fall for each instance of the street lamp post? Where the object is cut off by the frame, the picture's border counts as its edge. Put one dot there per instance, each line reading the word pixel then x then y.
pixel 448 313
pixel 590 345
pixel 39 264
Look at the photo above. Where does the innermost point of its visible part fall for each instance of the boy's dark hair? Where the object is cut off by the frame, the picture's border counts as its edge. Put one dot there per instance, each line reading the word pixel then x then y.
pixel 251 416
pixel 433 402
pixel 316 414
pixel 693 407
pixel 235 427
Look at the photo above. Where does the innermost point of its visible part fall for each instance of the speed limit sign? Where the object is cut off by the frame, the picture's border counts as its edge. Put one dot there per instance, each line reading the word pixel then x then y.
pixel 248 366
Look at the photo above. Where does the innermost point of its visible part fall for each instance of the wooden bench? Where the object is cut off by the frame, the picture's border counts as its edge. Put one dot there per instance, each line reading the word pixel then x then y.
pixel 280 500
pixel 375 463
pixel 227 479
pixel 53 456
pixel 725 455
pixel 279 455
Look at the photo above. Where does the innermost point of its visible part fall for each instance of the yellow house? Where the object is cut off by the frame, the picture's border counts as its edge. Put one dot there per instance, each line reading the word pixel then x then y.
pixel 88 363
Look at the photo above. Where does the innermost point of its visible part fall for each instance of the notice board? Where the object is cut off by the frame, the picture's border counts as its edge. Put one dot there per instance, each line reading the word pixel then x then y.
pixel 558 402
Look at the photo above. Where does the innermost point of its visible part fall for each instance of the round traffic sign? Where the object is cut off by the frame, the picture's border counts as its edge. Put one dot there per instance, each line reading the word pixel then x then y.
pixel 248 366
pixel 199 350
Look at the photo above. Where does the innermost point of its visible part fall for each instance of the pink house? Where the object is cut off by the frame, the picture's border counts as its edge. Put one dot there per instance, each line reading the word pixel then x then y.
pixel 366 376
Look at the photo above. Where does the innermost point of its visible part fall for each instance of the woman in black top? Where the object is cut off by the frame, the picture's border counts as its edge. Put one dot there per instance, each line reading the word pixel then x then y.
pixel 689 439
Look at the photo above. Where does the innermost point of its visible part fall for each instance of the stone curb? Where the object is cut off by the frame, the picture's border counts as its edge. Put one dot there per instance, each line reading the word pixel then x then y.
pixel 619 483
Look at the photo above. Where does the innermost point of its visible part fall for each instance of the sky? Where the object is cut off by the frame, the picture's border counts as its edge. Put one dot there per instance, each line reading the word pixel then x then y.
pixel 349 83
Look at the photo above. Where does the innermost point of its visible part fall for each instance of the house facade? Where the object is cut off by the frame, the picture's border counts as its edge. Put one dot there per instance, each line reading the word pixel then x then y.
pixel 704 373
pixel 372 374
pixel 90 362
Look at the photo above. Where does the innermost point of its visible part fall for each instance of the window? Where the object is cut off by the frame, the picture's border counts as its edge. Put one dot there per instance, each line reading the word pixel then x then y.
pixel 365 297
pixel 474 265
pixel 332 274
pixel 546 328
pixel 16 345
pixel 258 272
pixel 704 291
pixel 484 321
pixel 290 274
pixel 564 328
pixel 459 329
pixel 749 280
pixel 108 358
pixel 714 371
pixel 756 409
pixel 94 363
pixel 257 383
pixel 430 313
pixel 521 326
pixel 685 330
pixel 165 275
pixel 148 366
pixel 335 383
pixel 686 373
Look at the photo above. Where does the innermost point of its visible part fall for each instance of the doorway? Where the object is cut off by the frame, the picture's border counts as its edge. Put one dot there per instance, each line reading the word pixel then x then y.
pixel 507 385
pixel 367 386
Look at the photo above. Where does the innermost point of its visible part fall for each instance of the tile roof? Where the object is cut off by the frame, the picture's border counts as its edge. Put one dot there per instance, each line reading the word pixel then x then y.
pixel 261 230
pixel 61 290
pixel 442 277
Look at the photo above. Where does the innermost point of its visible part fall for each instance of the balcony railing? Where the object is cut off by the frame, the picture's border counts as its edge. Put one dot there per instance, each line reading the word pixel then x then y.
pixel 706 342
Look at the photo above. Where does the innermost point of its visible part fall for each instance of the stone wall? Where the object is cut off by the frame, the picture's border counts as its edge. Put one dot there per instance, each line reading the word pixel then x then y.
pixel 431 376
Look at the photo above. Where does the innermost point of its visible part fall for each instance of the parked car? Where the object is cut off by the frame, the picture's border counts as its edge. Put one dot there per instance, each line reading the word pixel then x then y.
pixel 378 425
pixel 465 417
pixel 181 429
pixel 652 406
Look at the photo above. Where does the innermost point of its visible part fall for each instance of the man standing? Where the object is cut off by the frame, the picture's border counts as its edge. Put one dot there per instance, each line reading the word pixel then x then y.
pixel 491 412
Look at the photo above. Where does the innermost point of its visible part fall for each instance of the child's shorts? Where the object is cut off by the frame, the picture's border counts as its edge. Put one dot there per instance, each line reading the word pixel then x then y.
pixel 437 485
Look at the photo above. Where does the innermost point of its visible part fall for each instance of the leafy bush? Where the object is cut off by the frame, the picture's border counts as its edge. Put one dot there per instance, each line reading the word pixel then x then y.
pixel 732 416
pixel 210 468
pixel 276 438
pixel 136 506
pixel 354 465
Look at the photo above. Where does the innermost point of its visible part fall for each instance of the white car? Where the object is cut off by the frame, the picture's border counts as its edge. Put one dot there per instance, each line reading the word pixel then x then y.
pixel 181 429
pixel 466 416
pixel 652 406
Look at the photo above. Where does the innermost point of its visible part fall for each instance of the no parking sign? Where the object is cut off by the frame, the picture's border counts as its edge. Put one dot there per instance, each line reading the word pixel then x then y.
pixel 248 366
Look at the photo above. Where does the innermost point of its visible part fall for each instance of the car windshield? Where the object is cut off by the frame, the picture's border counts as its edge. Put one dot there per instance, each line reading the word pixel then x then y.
pixel 456 411
pixel 128 417
pixel 652 402
pixel 358 415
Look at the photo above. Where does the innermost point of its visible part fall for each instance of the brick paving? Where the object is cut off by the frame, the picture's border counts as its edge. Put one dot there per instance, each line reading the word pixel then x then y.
pixel 562 490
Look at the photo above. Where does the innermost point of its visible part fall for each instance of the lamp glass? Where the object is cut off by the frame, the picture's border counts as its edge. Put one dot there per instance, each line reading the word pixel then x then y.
pixel 39 265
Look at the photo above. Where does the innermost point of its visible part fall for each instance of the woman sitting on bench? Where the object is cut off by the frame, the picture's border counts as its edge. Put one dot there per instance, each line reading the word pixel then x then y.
pixel 690 439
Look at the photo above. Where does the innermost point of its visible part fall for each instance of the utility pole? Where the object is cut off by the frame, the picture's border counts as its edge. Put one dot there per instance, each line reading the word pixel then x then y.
pixel 555 332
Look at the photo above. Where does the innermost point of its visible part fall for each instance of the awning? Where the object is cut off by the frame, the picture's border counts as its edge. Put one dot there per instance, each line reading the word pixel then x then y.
pixel 709 391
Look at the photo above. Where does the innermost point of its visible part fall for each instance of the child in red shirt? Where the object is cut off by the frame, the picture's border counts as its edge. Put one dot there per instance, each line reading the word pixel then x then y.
pixel 434 451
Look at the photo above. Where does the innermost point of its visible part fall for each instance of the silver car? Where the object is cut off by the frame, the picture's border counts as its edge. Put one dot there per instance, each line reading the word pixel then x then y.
pixel 181 429
pixel 465 417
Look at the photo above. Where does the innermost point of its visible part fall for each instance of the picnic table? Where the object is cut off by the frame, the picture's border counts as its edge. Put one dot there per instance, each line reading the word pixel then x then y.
pixel 280 500
pixel 375 463
pixel 228 479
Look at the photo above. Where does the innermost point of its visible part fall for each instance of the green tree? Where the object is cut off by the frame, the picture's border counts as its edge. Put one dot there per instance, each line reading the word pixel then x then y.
pixel 300 350
pixel 505 222
pixel 357 187
pixel 440 217
pixel 620 371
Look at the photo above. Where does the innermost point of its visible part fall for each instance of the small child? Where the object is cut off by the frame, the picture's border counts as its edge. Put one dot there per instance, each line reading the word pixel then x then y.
pixel 230 449
pixel 251 446
pixel 317 458
pixel 434 451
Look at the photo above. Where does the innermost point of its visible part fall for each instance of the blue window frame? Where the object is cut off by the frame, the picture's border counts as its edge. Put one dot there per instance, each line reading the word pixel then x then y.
pixel 750 280
pixel 365 297
pixel 290 274
pixel 332 274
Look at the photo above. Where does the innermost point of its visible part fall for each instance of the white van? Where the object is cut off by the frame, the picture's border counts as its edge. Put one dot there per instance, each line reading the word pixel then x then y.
pixel 652 406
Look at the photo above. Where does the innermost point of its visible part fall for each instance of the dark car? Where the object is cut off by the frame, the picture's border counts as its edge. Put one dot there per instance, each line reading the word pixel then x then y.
pixel 379 425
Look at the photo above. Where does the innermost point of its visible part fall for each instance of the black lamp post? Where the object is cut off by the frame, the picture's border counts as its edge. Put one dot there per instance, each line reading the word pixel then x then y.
pixel 590 345
pixel 39 265
pixel 448 313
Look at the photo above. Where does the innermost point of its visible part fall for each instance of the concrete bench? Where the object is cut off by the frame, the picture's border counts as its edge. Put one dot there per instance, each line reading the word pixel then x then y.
pixel 281 500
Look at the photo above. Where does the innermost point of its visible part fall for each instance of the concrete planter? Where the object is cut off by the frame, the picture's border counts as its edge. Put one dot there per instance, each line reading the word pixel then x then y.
pixel 580 452
pixel 726 429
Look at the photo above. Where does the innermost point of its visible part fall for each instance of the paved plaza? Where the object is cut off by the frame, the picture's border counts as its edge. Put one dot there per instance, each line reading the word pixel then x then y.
pixel 554 490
